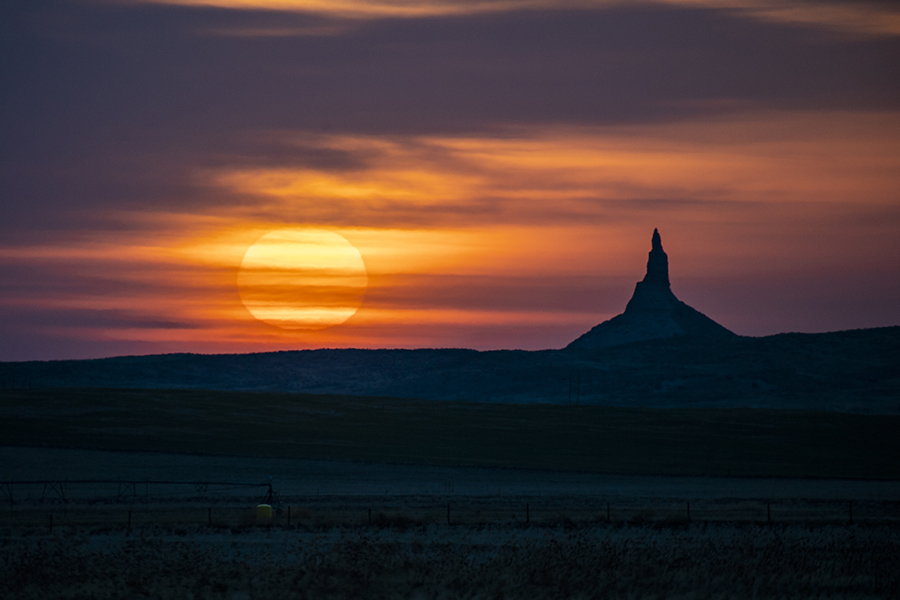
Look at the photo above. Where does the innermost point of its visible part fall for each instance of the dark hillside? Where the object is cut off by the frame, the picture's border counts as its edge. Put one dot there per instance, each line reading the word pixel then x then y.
pixel 854 371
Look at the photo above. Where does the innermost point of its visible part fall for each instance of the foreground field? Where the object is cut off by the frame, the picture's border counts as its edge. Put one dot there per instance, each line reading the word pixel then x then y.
pixel 337 493
pixel 598 561
pixel 513 532
pixel 709 442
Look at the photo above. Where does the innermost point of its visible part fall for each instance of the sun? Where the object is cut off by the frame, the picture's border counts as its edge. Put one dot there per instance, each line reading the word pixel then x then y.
pixel 302 279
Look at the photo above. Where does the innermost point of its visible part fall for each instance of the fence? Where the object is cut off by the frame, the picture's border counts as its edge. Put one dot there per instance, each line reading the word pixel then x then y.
pixel 127 504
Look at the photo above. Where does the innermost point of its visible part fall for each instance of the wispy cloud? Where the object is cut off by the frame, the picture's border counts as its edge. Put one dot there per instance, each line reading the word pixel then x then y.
pixel 875 19
pixel 868 19
pixel 565 175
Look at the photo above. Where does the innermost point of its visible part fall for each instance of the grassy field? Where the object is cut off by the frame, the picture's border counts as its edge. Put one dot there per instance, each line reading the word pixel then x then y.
pixel 440 562
pixel 736 442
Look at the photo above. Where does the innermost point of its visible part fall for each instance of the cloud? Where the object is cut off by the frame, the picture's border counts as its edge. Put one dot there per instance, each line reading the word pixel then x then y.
pixel 149 68
pixel 118 107
pixel 863 19
pixel 570 294
pixel 565 175
pixel 850 18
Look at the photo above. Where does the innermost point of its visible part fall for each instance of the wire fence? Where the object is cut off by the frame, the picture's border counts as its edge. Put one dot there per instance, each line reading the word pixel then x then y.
pixel 132 504
pixel 121 490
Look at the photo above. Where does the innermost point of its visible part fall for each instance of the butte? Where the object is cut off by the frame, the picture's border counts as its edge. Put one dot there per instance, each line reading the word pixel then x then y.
pixel 653 313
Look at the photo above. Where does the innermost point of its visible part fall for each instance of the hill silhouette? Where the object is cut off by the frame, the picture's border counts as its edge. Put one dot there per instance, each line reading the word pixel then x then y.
pixel 852 371
pixel 658 353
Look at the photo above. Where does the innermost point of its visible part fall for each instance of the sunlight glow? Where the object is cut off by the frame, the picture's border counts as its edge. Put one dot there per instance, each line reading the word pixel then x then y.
pixel 302 279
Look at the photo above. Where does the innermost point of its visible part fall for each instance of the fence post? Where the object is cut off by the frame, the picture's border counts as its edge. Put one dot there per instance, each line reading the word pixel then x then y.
pixel 448 513
pixel 850 506
pixel 370 516
pixel 51 521
pixel 209 516
pixel 769 511
pixel 289 516
pixel 607 512
pixel 527 514
pixel 129 520
pixel 689 511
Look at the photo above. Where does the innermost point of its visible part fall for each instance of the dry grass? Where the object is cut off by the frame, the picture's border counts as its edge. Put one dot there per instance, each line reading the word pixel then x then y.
pixel 596 561
pixel 326 512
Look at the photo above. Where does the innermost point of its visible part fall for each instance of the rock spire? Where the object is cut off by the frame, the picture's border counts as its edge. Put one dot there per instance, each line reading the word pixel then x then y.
pixel 653 313
pixel 658 262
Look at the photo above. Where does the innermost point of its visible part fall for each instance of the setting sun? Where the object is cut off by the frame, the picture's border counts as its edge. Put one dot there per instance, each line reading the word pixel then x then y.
pixel 302 279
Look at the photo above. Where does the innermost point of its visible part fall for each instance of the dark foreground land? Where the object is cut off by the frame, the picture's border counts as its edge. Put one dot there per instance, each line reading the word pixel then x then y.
pixel 707 442
pixel 161 542
pixel 601 561
pixel 394 498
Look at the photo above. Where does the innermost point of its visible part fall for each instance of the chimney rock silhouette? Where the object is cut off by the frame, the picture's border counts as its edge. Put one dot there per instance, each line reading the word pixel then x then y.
pixel 653 313
pixel 658 262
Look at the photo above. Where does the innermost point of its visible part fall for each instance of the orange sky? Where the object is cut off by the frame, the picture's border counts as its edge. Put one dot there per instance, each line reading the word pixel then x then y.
pixel 509 233
pixel 442 221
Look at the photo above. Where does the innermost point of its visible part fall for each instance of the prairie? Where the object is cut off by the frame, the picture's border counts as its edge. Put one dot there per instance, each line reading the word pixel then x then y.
pixel 599 561
pixel 742 442
pixel 544 501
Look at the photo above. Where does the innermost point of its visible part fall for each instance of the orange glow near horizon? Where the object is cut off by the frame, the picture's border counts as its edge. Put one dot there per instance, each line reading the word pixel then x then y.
pixel 437 219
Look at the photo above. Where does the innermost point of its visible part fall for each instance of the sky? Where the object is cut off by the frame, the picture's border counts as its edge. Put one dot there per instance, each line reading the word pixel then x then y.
pixel 492 171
